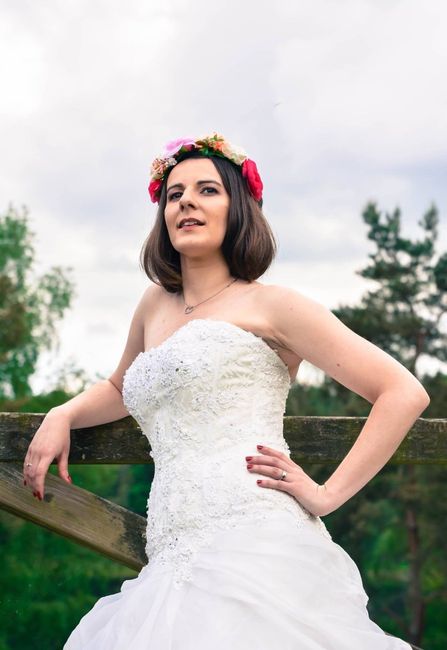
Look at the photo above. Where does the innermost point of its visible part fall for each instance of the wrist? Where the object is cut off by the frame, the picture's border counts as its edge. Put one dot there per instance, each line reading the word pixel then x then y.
pixel 334 496
pixel 330 498
pixel 59 413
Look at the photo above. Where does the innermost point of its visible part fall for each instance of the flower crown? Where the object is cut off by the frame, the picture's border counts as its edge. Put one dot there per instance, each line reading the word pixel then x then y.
pixel 209 145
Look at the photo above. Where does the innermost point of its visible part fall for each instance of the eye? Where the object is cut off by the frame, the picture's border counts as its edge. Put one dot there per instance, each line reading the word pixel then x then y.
pixel 172 196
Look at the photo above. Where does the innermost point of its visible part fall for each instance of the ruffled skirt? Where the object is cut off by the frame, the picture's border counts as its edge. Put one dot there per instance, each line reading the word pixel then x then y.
pixel 255 587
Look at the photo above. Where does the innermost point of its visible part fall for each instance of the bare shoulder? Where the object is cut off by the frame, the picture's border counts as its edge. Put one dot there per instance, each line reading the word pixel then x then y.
pixel 314 333
pixel 152 299
pixel 153 295
pixel 278 302
pixel 283 309
pixel 147 305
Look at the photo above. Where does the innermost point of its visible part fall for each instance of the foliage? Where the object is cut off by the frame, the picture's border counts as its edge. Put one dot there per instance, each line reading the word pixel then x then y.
pixel 29 307
pixel 402 315
pixel 396 526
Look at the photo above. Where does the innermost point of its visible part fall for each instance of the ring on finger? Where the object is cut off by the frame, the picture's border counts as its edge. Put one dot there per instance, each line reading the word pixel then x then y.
pixel 283 475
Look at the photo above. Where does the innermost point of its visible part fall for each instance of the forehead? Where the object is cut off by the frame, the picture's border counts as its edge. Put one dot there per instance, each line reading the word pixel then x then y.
pixel 192 169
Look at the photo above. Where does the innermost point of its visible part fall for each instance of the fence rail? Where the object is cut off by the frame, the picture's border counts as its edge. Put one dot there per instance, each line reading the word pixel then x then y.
pixel 311 439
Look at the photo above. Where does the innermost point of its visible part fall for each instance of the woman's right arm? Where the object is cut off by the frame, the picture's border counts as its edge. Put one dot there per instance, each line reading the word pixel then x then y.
pixel 98 404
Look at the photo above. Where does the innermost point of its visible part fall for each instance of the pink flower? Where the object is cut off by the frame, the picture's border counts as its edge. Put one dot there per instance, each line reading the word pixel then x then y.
pixel 251 174
pixel 154 190
pixel 174 146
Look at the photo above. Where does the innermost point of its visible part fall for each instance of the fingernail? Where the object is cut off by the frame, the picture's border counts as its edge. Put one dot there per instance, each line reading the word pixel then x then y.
pixel 39 496
pixel 260 446
pixel 249 466
pixel 69 478
pixel 259 481
pixel 24 482
pixel 248 457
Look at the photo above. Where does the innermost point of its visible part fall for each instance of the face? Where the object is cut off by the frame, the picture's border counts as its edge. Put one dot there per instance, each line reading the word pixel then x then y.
pixel 195 191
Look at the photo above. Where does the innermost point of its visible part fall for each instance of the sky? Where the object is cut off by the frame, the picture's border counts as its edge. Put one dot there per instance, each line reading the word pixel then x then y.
pixel 338 102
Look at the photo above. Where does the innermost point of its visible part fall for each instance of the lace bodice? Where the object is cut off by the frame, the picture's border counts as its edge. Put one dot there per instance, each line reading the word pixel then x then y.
pixel 205 398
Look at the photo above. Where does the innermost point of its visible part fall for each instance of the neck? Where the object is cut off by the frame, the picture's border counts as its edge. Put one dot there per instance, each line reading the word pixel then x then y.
pixel 201 279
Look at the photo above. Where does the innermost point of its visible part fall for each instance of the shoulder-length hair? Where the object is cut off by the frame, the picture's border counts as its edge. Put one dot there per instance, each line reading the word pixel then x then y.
pixel 248 247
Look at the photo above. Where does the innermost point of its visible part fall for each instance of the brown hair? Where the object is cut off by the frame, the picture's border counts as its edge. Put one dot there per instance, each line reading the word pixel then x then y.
pixel 248 247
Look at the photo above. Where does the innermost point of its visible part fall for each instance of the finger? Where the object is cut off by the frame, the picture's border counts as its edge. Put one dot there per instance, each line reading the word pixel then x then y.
pixel 26 477
pixel 282 462
pixel 264 460
pixel 272 484
pixel 267 461
pixel 269 452
pixel 29 474
pixel 273 469
pixel 28 470
pixel 62 467
pixel 39 477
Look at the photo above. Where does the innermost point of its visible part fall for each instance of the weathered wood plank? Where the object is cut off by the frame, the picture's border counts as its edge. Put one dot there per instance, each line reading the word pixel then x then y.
pixel 119 442
pixel 78 515
pixel 328 439
pixel 311 439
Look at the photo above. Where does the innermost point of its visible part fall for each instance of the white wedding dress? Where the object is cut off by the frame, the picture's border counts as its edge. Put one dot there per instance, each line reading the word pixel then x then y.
pixel 231 565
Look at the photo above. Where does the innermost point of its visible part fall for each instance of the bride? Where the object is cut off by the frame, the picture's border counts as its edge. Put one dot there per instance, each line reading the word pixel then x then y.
pixel 238 555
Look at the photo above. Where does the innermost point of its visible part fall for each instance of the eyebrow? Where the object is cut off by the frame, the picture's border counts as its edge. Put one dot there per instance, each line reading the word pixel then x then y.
pixel 198 183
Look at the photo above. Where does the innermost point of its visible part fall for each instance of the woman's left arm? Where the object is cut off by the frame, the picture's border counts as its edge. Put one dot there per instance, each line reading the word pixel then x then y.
pixel 314 333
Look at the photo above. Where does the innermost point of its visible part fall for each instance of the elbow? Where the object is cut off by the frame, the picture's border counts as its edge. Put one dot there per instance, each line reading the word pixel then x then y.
pixel 427 401
pixel 414 394
pixel 422 398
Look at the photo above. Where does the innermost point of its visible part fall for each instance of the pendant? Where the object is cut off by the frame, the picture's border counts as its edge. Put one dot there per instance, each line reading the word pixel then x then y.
pixel 188 309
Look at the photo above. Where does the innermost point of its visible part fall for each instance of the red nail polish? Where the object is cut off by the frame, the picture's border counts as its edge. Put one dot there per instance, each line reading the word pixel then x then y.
pixel 248 457
pixel 249 466
pixel 39 496
pixel 69 478
pixel 259 481
pixel 24 482
pixel 260 447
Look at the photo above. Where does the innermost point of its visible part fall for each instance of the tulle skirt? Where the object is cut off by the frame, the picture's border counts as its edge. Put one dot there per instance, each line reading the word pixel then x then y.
pixel 255 587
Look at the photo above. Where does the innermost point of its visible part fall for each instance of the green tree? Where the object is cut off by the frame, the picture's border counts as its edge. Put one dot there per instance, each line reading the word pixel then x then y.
pixel 48 582
pixel 403 313
pixel 30 306
pixel 395 526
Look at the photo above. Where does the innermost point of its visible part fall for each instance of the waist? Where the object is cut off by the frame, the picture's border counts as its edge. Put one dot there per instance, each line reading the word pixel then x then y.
pixel 190 497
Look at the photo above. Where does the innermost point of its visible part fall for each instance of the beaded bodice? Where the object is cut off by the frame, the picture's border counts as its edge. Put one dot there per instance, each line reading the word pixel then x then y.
pixel 205 398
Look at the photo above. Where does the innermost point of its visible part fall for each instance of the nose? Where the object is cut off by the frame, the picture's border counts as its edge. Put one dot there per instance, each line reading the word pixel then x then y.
pixel 186 198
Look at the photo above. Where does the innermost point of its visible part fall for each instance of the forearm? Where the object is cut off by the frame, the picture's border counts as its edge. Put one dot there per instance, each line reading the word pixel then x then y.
pixel 391 417
pixel 99 404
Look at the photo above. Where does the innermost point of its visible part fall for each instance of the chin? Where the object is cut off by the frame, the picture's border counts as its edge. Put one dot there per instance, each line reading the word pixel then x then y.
pixel 197 249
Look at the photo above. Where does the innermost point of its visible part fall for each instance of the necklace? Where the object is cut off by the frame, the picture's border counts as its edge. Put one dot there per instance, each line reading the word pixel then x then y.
pixel 189 308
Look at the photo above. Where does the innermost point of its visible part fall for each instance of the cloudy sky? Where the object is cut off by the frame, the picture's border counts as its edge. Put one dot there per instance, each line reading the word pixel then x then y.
pixel 338 101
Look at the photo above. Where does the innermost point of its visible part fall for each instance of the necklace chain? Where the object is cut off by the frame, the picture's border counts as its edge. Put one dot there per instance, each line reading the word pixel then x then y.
pixel 190 308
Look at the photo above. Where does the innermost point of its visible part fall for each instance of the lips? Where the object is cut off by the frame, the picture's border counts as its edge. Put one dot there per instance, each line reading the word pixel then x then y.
pixel 194 222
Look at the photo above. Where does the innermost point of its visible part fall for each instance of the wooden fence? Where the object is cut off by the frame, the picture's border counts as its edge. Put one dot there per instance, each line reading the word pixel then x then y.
pixel 106 527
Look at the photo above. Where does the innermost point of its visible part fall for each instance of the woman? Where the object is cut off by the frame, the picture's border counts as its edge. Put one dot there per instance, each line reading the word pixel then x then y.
pixel 237 553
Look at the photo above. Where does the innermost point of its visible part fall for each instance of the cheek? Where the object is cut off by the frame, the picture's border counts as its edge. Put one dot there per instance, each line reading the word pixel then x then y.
pixel 220 225
pixel 223 215
pixel 169 218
